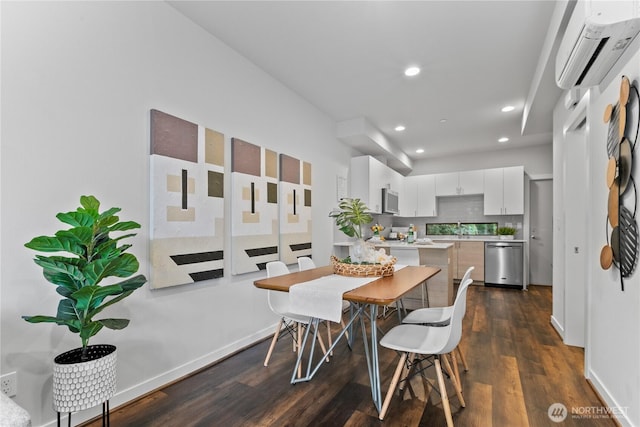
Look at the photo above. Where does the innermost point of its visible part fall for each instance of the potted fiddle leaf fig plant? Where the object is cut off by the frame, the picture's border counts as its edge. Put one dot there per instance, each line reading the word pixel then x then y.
pixel 83 256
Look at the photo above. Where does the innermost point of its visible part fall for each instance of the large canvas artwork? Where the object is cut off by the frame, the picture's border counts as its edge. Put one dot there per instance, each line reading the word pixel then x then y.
pixel 295 209
pixel 254 223
pixel 187 192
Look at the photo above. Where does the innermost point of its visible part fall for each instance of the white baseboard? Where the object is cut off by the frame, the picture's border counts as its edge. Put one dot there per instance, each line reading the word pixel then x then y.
pixel 556 325
pixel 621 413
pixel 123 396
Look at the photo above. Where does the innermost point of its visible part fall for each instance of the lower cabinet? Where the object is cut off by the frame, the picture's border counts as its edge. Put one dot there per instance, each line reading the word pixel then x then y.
pixel 465 255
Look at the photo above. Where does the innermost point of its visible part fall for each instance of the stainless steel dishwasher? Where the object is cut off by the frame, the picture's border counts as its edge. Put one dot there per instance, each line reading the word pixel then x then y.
pixel 503 264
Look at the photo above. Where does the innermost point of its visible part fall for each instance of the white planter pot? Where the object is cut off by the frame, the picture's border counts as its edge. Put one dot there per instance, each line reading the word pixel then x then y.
pixel 82 385
pixel 506 237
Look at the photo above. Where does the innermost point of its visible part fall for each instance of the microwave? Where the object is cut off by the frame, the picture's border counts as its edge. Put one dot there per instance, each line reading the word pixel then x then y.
pixel 390 201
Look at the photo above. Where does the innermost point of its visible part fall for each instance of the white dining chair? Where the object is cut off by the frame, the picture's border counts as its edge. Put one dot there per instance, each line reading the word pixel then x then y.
pixel 439 316
pixel 410 257
pixel 279 304
pixel 419 343
pixel 306 263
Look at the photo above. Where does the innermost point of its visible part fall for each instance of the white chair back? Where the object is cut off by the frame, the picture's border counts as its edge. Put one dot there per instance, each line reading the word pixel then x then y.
pixel 405 257
pixel 305 263
pixel 459 310
pixel 467 275
pixel 278 301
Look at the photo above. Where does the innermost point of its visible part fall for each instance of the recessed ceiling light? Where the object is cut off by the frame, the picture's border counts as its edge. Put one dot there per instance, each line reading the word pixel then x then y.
pixel 412 71
pixel 503 140
pixel 443 120
pixel 399 128
pixel 508 108
pixel 419 151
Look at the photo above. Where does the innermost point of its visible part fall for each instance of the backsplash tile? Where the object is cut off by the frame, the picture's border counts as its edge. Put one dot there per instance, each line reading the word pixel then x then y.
pixel 450 209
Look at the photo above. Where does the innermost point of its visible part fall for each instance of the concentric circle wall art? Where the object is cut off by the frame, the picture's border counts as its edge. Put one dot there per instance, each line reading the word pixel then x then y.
pixel 623 119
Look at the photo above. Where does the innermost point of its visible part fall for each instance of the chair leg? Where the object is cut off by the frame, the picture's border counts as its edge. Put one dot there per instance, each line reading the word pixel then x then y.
pixel 456 371
pixel 324 349
pixel 443 393
pixel 407 369
pixel 392 386
pixel 346 333
pixel 454 380
pixel 273 342
pixel 328 323
pixel 464 361
pixel 296 345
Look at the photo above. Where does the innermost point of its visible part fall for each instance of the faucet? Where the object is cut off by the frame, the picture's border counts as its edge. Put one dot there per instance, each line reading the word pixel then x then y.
pixel 459 230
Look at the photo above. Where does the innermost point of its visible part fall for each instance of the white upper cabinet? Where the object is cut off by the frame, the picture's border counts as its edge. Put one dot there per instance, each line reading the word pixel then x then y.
pixel 504 191
pixel 459 183
pixel 409 200
pixel 426 192
pixel 418 197
pixel 368 177
pixel 447 184
pixel 513 190
pixel 471 182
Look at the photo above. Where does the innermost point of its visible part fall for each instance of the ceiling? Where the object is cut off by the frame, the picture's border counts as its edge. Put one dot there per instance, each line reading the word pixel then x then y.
pixel 348 57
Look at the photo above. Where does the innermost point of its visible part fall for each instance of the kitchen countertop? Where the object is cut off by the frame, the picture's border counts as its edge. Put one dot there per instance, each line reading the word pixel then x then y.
pixel 473 239
pixel 402 245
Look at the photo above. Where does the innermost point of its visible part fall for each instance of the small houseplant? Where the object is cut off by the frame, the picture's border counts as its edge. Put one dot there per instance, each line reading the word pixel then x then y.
pixel 85 254
pixel 350 218
pixel 506 233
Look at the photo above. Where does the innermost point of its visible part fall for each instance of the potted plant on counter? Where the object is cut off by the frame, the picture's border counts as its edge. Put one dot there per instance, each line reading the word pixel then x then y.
pixel 363 259
pixel 506 233
pixel 85 255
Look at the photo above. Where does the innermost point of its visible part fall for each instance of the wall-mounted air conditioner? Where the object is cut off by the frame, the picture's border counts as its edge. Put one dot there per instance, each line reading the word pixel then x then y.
pixel 596 36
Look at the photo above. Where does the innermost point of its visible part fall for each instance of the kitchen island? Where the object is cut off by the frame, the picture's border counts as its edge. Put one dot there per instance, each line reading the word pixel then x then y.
pixel 439 288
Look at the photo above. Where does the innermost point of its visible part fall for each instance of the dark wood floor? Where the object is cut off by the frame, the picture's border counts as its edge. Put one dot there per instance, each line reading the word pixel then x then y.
pixel 518 368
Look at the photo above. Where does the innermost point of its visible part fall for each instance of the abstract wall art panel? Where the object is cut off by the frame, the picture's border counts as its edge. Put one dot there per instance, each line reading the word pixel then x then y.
pixel 187 202
pixel 295 209
pixel 254 206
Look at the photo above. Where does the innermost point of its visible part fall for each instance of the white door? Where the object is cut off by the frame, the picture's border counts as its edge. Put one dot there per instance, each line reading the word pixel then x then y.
pixel 541 242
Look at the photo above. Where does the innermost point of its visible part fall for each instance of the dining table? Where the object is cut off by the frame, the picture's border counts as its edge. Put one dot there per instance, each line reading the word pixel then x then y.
pixel 365 300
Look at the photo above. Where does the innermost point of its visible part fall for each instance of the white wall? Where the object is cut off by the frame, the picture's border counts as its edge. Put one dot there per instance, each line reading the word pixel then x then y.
pixel 612 316
pixel 78 81
pixel 613 322
pixel 537 160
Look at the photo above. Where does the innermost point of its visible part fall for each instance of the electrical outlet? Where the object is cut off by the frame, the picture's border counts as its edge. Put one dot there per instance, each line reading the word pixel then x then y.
pixel 9 384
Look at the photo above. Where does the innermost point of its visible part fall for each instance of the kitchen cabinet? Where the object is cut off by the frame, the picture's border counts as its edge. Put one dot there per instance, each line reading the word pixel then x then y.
pixel 368 177
pixel 504 191
pixel 464 255
pixel 459 183
pixel 426 195
pixel 418 196
pixel 409 201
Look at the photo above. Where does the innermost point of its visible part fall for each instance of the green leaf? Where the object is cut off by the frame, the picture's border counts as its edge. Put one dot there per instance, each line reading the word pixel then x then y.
pixel 125 225
pixel 77 219
pixel 90 203
pixel 95 271
pixel 90 297
pixel 53 244
pixel 123 266
pixel 89 330
pixel 114 323
pixel 61 280
pixel 67 311
pixel 41 319
pixel 52 266
pixel 65 291
pixel 109 213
